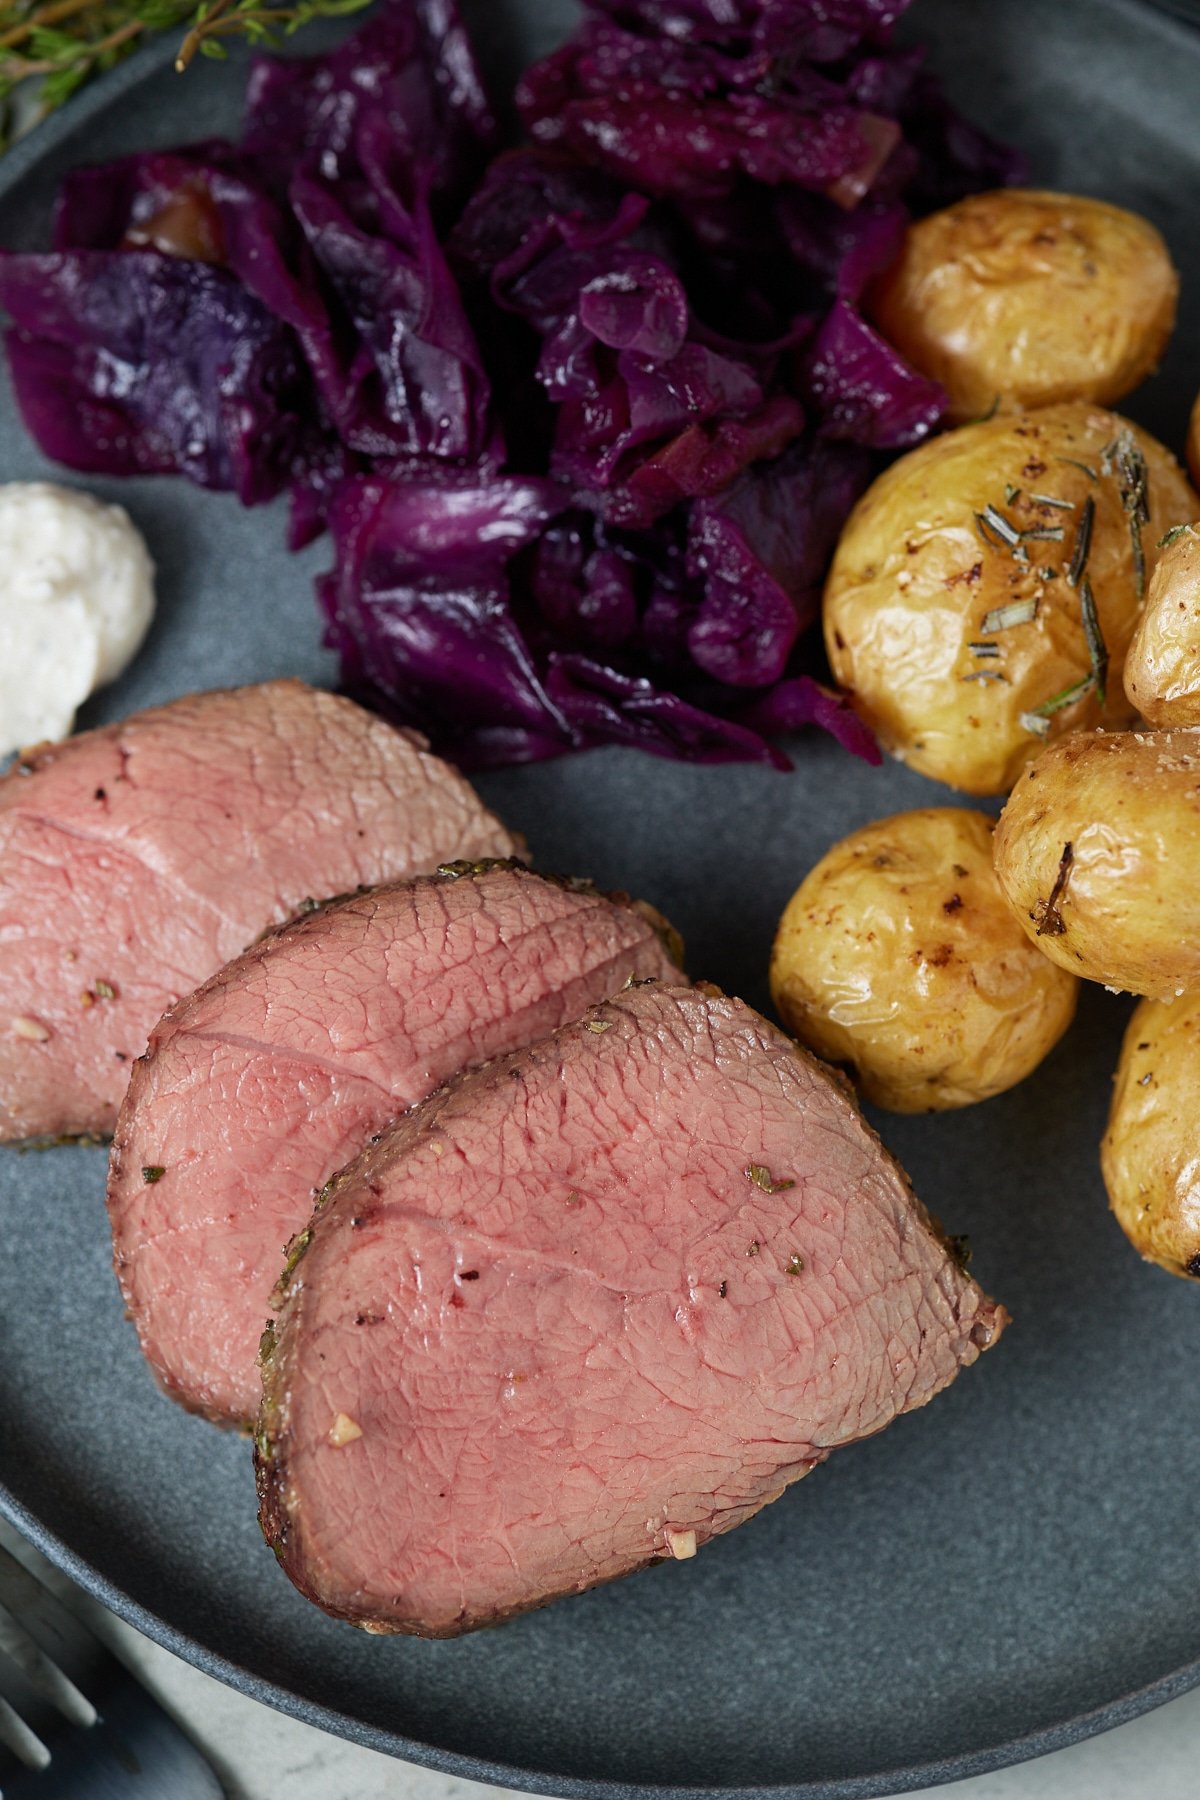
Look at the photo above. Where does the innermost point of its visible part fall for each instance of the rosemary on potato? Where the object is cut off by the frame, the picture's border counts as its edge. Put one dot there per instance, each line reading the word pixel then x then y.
pixel 1013 612
pixel 1083 543
pixel 1094 637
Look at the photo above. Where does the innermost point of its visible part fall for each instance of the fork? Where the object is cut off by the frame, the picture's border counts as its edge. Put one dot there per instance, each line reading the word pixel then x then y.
pixel 74 1723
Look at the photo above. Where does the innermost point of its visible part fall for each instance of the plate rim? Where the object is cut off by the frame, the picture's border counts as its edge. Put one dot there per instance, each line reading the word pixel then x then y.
pixel 24 156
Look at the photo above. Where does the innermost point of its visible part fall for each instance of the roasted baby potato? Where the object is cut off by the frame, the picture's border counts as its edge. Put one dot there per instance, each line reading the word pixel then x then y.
pixel 1149 1151
pixel 956 609
pixel 1191 451
pixel 1098 854
pixel 1031 297
pixel 1162 669
pixel 898 957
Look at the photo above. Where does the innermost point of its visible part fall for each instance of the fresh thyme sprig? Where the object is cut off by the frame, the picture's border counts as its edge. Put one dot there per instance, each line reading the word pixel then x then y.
pixel 49 48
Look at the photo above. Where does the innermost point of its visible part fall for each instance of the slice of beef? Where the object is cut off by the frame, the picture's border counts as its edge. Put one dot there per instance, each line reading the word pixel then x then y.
pixel 587 1308
pixel 259 1087
pixel 137 859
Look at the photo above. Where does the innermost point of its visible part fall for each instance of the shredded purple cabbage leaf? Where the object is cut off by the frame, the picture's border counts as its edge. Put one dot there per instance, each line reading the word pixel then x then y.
pixel 582 416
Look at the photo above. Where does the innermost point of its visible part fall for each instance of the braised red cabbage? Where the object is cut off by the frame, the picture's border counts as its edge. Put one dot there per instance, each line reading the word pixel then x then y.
pixel 585 417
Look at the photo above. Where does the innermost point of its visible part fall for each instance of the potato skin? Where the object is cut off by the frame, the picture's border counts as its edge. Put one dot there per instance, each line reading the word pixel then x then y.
pixel 898 956
pixel 913 579
pixel 1162 669
pixel 1031 296
pixel 1149 1154
pixel 1121 810
pixel 1191 452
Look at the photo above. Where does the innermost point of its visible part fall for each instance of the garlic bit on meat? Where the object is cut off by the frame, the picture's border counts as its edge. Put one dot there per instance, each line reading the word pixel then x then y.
pixel 76 601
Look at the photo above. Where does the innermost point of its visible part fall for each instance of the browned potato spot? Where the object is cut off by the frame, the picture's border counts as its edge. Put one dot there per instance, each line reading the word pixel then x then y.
pixel 898 956
pixel 1098 854
pixel 1030 296
pixel 958 630
pixel 1162 669
pixel 1149 1155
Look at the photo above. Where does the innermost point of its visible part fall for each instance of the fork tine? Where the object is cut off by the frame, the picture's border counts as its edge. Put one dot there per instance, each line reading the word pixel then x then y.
pixel 25 1745
pixel 44 1676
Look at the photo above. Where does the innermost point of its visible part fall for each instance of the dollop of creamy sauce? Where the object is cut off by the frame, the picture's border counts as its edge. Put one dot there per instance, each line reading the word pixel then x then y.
pixel 76 601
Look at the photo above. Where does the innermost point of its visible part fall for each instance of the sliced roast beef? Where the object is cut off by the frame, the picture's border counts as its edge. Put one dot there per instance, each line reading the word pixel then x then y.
pixel 137 859
pixel 589 1307
pixel 259 1087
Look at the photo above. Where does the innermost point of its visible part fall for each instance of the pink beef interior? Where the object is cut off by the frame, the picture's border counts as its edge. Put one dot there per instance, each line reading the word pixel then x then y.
pixel 259 1087
pixel 135 860
pixel 554 1322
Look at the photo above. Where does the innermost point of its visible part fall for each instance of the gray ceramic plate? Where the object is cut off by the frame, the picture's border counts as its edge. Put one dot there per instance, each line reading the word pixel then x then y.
pixel 1006 1571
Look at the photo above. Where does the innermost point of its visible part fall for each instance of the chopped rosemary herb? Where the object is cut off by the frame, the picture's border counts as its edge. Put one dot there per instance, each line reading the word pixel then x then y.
pixel 1170 537
pixel 1065 697
pixel 1094 637
pixel 1130 466
pixel 960 1251
pixel 1004 528
pixel 1053 500
pixel 762 1178
pixel 984 649
pixel 1011 493
pixel 1047 915
pixel 599 1025
pixel 1020 554
pixel 1014 612
pixel 153 1172
pixel 1051 534
pixel 1048 574
pixel 1083 543
pixel 1086 467
pixel 1034 724
pixel 104 990
pixel 794 1265
pixel 985 675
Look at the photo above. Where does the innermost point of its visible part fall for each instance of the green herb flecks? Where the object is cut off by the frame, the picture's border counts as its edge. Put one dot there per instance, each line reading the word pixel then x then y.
pixel 762 1178
pixel 1173 536
pixel 985 675
pixel 1014 612
pixel 1011 493
pixel 1004 529
pixel 57 45
pixel 794 1265
pixel 1083 543
pixel 984 649
pixel 960 1251
pixel 1065 697
pixel 1048 534
pixel 1094 637
pixel 1124 457
pixel 1053 500
pixel 1073 463
pixel 153 1172
pixel 1034 723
